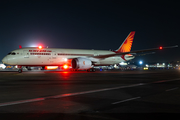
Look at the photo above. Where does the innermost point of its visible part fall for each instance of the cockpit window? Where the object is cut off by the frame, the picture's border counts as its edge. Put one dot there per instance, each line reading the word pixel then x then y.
pixel 12 53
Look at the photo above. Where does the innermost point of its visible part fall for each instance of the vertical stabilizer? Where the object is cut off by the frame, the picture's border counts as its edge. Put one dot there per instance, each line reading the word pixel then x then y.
pixel 126 45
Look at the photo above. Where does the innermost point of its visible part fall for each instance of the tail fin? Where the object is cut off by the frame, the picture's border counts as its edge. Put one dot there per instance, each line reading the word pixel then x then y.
pixel 126 45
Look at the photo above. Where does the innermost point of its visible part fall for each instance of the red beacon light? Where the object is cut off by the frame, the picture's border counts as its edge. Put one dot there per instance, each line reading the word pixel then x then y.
pixel 161 48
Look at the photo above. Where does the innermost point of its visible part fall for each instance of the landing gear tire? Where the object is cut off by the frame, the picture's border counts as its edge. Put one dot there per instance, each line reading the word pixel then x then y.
pixel 20 70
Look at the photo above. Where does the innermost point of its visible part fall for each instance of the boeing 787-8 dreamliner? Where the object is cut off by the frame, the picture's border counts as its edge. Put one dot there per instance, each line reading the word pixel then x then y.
pixel 78 59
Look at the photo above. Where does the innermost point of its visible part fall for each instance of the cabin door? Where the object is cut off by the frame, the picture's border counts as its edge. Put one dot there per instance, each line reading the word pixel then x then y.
pixel 26 53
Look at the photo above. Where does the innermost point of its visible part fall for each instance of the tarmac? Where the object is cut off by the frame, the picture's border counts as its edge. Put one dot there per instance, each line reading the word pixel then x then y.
pixel 98 95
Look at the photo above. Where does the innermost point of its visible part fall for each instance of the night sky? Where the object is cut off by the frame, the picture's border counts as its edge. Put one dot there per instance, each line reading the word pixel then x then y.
pixel 91 24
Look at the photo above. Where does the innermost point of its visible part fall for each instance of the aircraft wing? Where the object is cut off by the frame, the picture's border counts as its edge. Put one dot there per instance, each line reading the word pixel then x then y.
pixel 137 51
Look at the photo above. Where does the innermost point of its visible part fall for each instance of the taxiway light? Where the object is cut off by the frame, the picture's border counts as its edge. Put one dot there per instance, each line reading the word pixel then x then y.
pixel 140 62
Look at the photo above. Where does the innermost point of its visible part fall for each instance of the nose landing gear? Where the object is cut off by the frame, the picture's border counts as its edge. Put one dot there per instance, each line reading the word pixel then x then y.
pixel 20 69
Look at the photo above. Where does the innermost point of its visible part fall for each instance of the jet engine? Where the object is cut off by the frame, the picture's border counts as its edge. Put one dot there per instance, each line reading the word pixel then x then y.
pixel 81 63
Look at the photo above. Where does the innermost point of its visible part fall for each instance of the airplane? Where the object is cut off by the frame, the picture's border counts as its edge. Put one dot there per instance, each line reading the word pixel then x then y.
pixel 77 59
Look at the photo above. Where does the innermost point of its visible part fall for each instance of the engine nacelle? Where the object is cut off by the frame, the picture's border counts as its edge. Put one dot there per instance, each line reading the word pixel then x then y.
pixel 81 63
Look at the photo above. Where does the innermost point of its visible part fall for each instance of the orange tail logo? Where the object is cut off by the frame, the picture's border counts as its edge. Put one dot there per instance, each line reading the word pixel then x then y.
pixel 126 45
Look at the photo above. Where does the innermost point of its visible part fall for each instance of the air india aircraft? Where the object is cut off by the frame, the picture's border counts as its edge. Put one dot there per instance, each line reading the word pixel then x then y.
pixel 78 59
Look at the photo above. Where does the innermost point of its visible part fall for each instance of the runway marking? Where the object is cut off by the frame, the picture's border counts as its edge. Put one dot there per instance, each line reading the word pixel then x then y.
pixel 65 95
pixel 84 92
pixel 172 89
pixel 21 101
pixel 93 91
pixel 126 100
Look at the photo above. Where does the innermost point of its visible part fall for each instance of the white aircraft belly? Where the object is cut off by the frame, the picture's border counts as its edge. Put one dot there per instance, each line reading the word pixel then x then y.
pixel 111 60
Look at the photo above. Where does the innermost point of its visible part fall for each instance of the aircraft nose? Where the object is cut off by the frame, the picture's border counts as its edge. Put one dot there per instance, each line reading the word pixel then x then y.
pixel 5 60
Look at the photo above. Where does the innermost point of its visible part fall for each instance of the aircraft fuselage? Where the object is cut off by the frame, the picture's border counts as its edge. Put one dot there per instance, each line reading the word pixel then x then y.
pixel 59 57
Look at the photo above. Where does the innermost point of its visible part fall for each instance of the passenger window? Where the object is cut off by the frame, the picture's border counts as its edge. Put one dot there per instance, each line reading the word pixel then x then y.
pixel 9 53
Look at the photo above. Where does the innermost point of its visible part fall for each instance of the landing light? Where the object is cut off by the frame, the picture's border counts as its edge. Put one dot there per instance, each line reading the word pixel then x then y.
pixel 51 67
pixel 65 66
pixel 40 47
